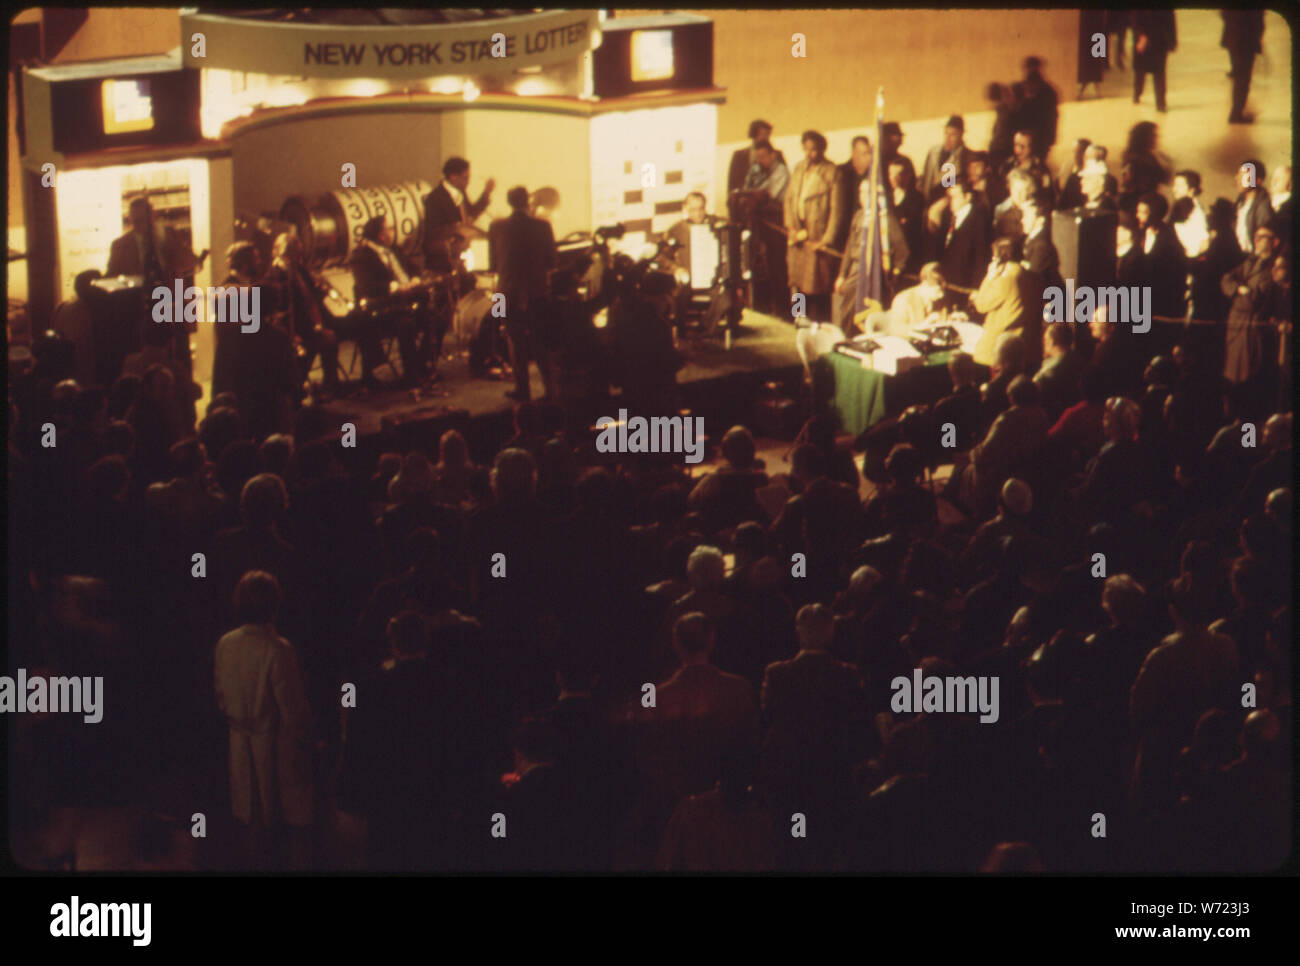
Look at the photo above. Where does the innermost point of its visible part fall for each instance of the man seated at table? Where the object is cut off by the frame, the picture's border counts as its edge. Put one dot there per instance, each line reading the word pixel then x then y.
pixel 912 306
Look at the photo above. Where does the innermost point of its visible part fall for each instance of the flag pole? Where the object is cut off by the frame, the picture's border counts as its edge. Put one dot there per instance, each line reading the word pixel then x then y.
pixel 882 206
pixel 865 297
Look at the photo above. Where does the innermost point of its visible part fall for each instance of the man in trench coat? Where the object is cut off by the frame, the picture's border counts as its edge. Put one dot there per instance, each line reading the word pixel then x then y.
pixel 812 216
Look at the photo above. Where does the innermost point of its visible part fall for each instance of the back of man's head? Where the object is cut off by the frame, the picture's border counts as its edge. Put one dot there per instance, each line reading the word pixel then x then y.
pixel 263 501
pixel 815 626
pixel 738 447
pixel 1011 352
pixel 517 198
pixel 257 598
pixel 514 475
pixel 1124 599
pixel 187 458
pixel 693 635
pixel 1060 335
pixel 808 462
pixel 1022 391
pixel 1189 604
pixel 962 371
pixel 706 568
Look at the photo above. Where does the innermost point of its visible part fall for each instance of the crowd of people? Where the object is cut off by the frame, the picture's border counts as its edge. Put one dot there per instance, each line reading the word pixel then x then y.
pixel 974 233
pixel 463 656
pixel 516 653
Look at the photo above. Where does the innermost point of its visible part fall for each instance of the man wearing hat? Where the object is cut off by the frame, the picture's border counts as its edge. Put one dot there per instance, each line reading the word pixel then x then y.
pixel 1246 286
pixel 890 149
pixel 953 150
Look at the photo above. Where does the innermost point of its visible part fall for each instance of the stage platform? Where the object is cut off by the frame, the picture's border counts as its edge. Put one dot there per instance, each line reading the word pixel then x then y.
pixel 763 350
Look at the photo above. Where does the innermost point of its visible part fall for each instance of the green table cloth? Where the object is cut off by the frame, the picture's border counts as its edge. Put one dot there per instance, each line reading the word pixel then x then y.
pixel 858 394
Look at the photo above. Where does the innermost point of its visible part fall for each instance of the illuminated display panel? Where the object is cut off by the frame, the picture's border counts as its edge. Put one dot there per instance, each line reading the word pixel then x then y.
pixel 128 106
pixel 652 55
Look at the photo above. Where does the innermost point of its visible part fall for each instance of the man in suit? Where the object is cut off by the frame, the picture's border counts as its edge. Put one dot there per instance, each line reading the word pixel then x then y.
pixel 744 159
pixel 1168 260
pixel 962 407
pixel 1039 258
pixel 523 254
pixel 1060 377
pixel 1191 670
pixel 909 209
pixel 701 712
pixel 1243 33
pixel 951 150
pixel 397 755
pixel 157 253
pixel 1155 37
pixel 1009 217
pixel 965 238
pixel 592 760
pixel 1254 206
pixel 449 215
pixel 1025 160
pixel 1010 446
pixel 537 803
pixel 378 272
pixel 149 248
pixel 817 723
pixel 852 173
pixel 989 189
pixel 765 186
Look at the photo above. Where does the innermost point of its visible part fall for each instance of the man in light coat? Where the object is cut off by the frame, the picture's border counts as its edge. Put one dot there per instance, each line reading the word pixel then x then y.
pixel 812 220
pixel 260 691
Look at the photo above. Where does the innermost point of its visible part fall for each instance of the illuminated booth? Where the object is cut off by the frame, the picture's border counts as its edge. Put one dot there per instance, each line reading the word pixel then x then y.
pixel 265 114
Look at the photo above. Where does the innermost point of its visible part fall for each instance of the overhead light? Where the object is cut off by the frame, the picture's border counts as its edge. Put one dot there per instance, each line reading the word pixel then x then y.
pixel 471 91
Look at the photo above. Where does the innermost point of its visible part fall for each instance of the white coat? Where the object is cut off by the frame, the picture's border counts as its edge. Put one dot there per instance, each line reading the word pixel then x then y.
pixel 260 692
